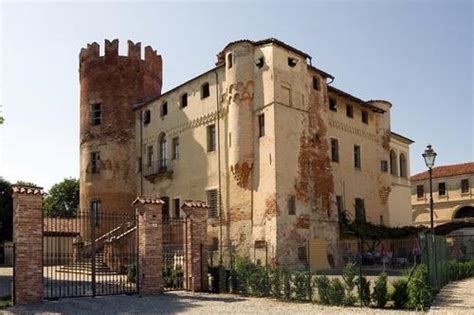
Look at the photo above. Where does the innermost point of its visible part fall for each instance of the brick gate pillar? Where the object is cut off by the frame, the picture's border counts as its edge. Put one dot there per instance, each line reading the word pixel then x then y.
pixel 28 242
pixel 150 247
pixel 195 245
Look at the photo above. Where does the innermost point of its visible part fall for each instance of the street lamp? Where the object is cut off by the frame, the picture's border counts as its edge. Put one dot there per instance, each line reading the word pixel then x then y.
pixel 430 156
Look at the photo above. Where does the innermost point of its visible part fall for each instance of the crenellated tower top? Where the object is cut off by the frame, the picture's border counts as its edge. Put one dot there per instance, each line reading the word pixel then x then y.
pixel 90 58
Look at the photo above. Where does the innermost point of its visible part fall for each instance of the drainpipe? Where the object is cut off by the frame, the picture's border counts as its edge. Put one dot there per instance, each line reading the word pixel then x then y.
pixel 219 165
pixel 141 152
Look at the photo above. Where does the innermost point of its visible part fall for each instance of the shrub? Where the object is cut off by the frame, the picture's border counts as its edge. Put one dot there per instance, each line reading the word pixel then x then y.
pixel 400 293
pixel 420 293
pixel 287 285
pixel 364 290
pixel 132 273
pixel 336 292
pixel 322 284
pixel 276 277
pixel 349 275
pixel 380 291
pixel 302 285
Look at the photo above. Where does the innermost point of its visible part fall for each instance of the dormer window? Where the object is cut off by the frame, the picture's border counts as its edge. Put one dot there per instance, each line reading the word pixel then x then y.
pixel 184 100
pixel 146 117
pixel 292 62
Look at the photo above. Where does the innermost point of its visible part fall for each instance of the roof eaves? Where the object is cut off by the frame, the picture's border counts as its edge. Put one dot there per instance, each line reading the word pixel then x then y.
pixel 355 99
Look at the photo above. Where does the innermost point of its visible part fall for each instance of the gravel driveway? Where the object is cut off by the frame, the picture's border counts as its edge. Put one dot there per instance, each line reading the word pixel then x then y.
pixel 184 302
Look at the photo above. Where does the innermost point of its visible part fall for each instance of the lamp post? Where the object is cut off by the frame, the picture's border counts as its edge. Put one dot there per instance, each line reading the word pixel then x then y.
pixel 430 156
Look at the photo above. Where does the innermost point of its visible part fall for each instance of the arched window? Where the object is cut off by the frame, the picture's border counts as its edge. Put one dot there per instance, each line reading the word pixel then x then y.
pixel 393 163
pixel 403 165
pixel 162 146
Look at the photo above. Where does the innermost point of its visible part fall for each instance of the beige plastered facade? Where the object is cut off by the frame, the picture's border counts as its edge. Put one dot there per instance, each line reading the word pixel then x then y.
pixel 446 207
pixel 259 177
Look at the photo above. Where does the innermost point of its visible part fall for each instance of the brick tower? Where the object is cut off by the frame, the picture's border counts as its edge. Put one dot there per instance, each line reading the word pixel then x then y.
pixel 110 86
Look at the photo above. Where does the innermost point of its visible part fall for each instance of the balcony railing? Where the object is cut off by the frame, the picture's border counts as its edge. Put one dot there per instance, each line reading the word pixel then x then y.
pixel 157 168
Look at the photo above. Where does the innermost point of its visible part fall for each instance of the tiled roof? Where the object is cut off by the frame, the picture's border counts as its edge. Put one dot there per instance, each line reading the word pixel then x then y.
pixel 148 200
pixel 195 204
pixel 61 226
pixel 446 170
pixel 27 190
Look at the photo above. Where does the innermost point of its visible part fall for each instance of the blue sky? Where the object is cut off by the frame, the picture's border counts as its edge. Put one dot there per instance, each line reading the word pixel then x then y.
pixel 416 54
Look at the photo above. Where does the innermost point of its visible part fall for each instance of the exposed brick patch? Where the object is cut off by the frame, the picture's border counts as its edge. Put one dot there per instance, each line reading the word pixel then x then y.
pixel 386 140
pixel 271 209
pixel 384 192
pixel 303 222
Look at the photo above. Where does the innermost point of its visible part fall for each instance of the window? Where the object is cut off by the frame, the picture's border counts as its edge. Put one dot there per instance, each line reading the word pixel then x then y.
pixel 260 62
pixel 175 148
pixel 165 210
pixel 205 90
pixel 96 206
pixel 211 138
pixel 340 205
pixel 95 162
pixel 442 189
pixel 292 62
pixel 163 155
pixel 333 104
pixel 420 191
pixel 261 125
pixel 359 210
pixel 365 117
pixel 335 150
pixel 213 203
pixel 229 61
pixel 384 166
pixel 184 100
pixel 403 165
pixel 291 205
pixel 349 111
pixel 176 212
pixel 146 117
pixel 149 154
pixel 96 114
pixel 316 85
pixel 302 255
pixel 393 163
pixel 357 159
pixel 139 166
pixel 164 109
pixel 465 185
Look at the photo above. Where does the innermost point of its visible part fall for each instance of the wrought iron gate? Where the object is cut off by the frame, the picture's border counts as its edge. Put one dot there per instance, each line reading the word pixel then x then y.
pixel 174 258
pixel 92 254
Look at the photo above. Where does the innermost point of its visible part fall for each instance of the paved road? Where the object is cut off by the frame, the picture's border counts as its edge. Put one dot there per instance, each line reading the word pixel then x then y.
pixel 455 298
pixel 5 279
pixel 184 302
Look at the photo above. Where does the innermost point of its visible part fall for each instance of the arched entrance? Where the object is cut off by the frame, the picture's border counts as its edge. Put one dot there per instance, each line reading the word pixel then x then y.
pixel 464 212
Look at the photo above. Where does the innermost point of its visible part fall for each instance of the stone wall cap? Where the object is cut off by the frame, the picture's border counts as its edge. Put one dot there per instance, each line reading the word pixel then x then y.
pixel 148 200
pixel 27 190
pixel 195 204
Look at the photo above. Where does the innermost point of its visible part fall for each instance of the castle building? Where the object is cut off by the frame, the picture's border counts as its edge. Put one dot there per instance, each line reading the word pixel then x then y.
pixel 453 196
pixel 265 138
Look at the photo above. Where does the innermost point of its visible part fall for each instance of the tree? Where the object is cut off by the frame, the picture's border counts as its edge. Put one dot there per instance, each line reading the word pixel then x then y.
pixel 6 210
pixel 63 199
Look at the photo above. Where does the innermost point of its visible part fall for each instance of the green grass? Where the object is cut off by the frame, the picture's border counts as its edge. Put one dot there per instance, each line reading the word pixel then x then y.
pixel 5 301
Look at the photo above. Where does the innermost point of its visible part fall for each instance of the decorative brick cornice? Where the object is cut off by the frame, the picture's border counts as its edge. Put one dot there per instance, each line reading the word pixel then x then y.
pixel 353 130
pixel 195 204
pixel 148 200
pixel 27 190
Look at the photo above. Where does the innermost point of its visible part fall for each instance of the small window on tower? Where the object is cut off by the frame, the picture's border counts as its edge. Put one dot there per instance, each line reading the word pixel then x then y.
pixel 316 83
pixel 261 125
pixel 365 117
pixel 146 117
pixel 205 90
pixel 184 100
pixel 95 162
pixel 164 109
pixel 96 114
pixel 349 111
pixel 229 61
pixel 292 62
pixel 333 104
pixel 292 205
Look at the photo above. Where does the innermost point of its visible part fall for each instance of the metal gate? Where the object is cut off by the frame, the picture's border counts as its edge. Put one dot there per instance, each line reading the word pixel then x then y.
pixel 92 254
pixel 174 257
